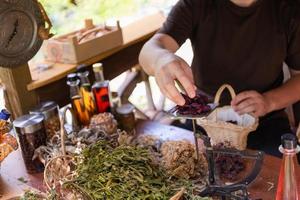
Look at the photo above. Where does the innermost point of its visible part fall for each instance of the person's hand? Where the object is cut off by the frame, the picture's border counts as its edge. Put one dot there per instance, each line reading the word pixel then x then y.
pixel 170 68
pixel 251 102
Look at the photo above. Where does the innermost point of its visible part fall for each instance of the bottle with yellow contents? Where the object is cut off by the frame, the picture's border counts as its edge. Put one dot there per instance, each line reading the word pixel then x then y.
pixel 85 89
pixel 82 114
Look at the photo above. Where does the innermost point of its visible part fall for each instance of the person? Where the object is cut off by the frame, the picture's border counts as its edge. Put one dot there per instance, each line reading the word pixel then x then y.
pixel 240 42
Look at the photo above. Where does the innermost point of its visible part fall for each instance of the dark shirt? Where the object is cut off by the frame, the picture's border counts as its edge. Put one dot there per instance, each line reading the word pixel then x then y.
pixel 242 46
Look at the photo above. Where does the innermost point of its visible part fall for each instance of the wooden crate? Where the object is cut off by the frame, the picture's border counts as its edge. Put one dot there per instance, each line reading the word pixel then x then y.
pixel 80 45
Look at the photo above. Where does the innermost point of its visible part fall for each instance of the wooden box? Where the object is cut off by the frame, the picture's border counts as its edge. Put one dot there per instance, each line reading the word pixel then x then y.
pixel 80 45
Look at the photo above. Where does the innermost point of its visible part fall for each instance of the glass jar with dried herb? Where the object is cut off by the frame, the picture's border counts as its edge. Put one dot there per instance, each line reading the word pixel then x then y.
pixel 50 112
pixel 31 133
pixel 126 118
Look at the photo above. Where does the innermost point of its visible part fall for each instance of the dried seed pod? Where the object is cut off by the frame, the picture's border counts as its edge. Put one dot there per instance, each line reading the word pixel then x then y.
pixel 179 160
pixel 104 121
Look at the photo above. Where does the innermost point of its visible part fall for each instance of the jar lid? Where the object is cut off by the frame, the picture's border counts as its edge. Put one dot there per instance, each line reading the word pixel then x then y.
pixel 4 114
pixel 289 141
pixel 72 77
pixel 27 124
pixel 125 109
pixel 48 109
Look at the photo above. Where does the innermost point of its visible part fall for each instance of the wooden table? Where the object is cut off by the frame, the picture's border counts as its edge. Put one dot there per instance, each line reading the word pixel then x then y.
pixel 13 168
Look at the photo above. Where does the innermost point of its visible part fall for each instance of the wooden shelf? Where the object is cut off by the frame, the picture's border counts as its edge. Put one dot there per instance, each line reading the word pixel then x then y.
pixel 133 33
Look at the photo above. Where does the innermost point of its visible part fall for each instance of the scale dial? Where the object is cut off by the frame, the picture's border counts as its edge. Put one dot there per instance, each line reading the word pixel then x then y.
pixel 19 39
pixel 17 33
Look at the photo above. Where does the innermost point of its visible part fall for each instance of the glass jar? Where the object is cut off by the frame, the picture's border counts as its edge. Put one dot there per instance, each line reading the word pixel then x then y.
pixel 51 114
pixel 115 102
pixel 31 133
pixel 126 118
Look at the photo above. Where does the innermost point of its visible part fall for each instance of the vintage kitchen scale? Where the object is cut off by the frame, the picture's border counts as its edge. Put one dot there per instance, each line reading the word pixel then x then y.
pixel 237 190
pixel 24 25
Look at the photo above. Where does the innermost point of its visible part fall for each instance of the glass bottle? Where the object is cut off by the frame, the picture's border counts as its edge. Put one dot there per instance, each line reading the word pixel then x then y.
pixel 101 89
pixel 81 112
pixel 287 188
pixel 85 89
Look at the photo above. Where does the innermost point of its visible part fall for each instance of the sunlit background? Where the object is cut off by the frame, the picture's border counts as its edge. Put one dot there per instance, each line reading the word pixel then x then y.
pixel 67 17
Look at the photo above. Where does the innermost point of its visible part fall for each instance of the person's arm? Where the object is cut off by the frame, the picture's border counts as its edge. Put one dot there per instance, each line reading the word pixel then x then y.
pixel 283 96
pixel 159 46
pixel 158 57
pixel 287 94
pixel 276 99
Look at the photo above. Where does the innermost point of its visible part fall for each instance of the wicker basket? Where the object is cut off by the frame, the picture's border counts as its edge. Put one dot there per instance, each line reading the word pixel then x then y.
pixel 220 130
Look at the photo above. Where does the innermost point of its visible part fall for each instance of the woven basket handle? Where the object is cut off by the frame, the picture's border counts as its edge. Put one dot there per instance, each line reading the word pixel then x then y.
pixel 221 90
pixel 62 127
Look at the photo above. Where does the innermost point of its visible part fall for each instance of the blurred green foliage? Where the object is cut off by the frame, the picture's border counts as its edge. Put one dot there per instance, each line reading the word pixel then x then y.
pixel 65 16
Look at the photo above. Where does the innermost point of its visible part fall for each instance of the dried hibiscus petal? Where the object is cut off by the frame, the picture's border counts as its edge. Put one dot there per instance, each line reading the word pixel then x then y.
pixel 228 166
pixel 196 106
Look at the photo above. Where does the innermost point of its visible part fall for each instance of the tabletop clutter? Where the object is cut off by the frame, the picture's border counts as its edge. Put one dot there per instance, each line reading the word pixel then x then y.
pixel 7 142
pixel 103 157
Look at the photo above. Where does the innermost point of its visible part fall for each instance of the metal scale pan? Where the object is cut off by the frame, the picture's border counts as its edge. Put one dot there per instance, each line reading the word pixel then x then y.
pixel 234 191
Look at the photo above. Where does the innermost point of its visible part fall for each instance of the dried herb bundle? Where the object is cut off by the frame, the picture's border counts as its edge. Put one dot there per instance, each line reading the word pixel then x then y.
pixel 179 160
pixel 124 172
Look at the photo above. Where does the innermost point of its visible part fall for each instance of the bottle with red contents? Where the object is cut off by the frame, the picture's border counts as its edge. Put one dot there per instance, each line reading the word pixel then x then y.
pixel 288 188
pixel 101 89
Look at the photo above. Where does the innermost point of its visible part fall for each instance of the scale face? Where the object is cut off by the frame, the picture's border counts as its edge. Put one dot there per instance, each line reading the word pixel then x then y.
pixel 19 24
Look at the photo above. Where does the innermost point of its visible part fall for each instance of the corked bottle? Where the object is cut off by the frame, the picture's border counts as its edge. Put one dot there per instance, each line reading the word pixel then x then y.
pixel 81 112
pixel 85 89
pixel 288 188
pixel 101 89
